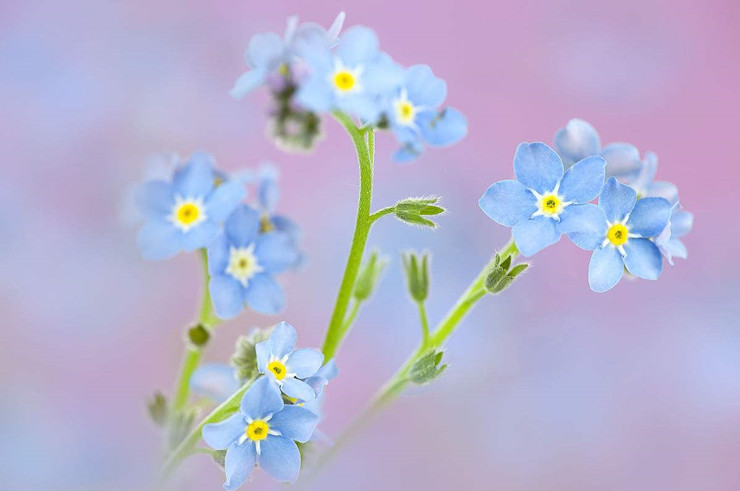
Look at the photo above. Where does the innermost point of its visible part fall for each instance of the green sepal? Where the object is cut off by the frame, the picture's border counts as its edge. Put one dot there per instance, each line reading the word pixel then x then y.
pixel 413 210
pixel 370 272
pixel 417 274
pixel 427 368
pixel 244 359
pixel 501 277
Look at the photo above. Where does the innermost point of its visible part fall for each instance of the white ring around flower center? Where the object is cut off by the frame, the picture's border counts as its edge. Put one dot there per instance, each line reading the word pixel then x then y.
pixel 187 213
pixel 243 264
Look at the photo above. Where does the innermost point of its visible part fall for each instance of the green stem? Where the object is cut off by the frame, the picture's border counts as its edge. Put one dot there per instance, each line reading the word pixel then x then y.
pixel 351 317
pixel 193 354
pixel 364 145
pixel 424 324
pixel 188 444
pixel 382 212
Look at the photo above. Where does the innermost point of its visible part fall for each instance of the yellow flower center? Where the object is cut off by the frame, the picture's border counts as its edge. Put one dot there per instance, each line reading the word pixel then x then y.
pixel 344 80
pixel 406 112
pixel 188 213
pixel 243 264
pixel 266 224
pixel 617 234
pixel 277 369
pixel 257 430
pixel 550 204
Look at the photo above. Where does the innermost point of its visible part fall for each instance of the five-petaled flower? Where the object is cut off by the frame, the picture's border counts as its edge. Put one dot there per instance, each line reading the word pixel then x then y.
pixel 544 201
pixel 242 262
pixel 411 110
pixel 291 368
pixel 620 236
pixel 263 432
pixel 184 214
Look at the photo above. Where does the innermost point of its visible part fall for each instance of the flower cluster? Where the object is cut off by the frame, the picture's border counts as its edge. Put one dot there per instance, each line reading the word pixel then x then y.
pixel 265 429
pixel 311 72
pixel 636 220
pixel 200 207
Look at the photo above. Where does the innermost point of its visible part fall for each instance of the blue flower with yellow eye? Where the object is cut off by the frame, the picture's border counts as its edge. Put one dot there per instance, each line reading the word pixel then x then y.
pixel 184 213
pixel 263 432
pixel 620 236
pixel 242 264
pixel 413 114
pixel 268 53
pixel 291 368
pixel 544 200
pixel 350 79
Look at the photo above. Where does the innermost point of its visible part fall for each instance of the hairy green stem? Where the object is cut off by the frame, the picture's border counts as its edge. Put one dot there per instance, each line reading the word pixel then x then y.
pixel 382 212
pixel 424 323
pixel 364 145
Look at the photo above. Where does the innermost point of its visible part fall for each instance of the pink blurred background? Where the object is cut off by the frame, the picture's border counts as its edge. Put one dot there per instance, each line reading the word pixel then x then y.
pixel 550 386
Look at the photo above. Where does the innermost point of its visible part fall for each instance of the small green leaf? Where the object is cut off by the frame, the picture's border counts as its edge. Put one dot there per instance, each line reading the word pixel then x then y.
pixel 414 219
pixel 427 368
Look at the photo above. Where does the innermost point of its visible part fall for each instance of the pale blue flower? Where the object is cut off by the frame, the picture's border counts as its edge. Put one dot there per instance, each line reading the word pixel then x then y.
pixel 268 52
pixel 413 113
pixel 242 263
pixel 544 200
pixel 620 236
pixel 350 79
pixel 291 368
pixel 263 432
pixel 184 213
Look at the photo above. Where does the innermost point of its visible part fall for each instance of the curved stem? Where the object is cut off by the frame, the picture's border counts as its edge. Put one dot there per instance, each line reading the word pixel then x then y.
pixel 382 212
pixel 364 145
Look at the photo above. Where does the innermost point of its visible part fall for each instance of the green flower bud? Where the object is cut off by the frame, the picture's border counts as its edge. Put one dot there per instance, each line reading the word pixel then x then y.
pixel 413 211
pixel 369 275
pixel 157 407
pixel 427 367
pixel 199 335
pixel 501 277
pixel 417 274
pixel 244 359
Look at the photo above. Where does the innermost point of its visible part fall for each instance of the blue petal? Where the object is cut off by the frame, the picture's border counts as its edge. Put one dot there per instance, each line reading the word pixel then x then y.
pixel 292 387
pixel 315 94
pixel 538 167
pixel 332 34
pixel 409 152
pixel 444 128
pixel 242 226
pixel 622 161
pixel 280 458
pixel 247 82
pixel 360 106
pixel 158 239
pixel 328 371
pixel 195 178
pixel 585 225
pixel 663 189
pixel 266 51
pixel 295 422
pixel 531 236
pixel 605 269
pixel 155 199
pixel 239 464
pixel 617 200
pixel 287 226
pixel 649 217
pixel 224 199
pixel 200 236
pixel 218 255
pixel 262 399
pixel 681 223
pixel 358 45
pixel 268 193
pixel 283 339
pixel 382 75
pixel 221 435
pixel 226 295
pixel 305 362
pixel 643 259
pixel 214 381
pixel 317 384
pixel 647 173
pixel 583 182
pixel 673 248
pixel 275 252
pixel 577 141
pixel 508 203
pixel 264 295
pixel 423 88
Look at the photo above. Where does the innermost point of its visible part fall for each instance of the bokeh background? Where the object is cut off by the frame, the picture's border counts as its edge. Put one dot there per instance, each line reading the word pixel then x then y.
pixel 550 386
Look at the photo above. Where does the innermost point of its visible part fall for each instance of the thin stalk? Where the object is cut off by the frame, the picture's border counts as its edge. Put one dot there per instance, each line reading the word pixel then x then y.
pixel 424 323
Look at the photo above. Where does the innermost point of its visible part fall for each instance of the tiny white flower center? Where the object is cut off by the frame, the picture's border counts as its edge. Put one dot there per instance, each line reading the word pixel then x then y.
pixel 187 213
pixel 243 264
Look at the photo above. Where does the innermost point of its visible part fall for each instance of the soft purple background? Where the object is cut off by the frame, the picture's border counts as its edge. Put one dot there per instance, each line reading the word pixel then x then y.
pixel 550 386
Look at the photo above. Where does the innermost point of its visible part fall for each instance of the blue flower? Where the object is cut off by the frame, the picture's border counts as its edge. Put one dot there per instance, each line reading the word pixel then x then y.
pixel 185 212
pixel 263 432
pixel 669 240
pixel 242 262
pixel 544 200
pixel 411 110
pixel 620 236
pixel 350 79
pixel 291 368
pixel 268 53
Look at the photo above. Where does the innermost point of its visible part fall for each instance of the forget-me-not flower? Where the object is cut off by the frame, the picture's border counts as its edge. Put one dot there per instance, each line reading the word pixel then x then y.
pixel 242 262
pixel 620 236
pixel 349 79
pixel 269 53
pixel 291 368
pixel 263 432
pixel 543 199
pixel 413 114
pixel 185 212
